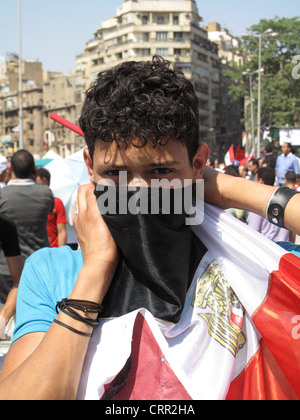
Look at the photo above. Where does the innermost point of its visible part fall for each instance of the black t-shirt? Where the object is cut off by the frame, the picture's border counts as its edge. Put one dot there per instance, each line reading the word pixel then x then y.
pixel 9 242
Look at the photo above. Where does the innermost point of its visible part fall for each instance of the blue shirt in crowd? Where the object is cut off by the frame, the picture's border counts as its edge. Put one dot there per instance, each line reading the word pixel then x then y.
pixel 285 164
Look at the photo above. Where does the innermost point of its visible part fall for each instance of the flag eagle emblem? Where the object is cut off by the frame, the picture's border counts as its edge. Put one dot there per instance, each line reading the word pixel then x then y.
pixel 224 312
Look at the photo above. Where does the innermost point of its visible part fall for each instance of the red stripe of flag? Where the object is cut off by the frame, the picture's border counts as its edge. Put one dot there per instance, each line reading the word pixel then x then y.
pixel 274 371
pixel 147 375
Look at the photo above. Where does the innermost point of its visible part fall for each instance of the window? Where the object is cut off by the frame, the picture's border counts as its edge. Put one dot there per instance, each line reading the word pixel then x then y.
pixel 78 97
pixel 177 51
pixel 161 36
pixel 202 57
pixel 162 51
pixel 178 36
pixel 78 82
pixel 145 51
pixel 215 77
pixel 145 20
pixel 175 20
pixel 145 36
pixel 160 20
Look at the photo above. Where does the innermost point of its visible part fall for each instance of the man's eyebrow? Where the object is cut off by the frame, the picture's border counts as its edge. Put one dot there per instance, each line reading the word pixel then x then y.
pixel 163 163
pixel 148 165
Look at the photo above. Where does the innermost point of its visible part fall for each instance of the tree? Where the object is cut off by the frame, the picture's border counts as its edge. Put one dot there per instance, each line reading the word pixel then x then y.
pixel 280 87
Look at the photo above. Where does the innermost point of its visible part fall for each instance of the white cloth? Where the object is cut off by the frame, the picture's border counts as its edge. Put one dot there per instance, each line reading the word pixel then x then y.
pixel 229 285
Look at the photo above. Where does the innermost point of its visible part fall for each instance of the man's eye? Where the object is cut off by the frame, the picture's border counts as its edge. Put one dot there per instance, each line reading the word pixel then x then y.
pixel 161 171
pixel 112 173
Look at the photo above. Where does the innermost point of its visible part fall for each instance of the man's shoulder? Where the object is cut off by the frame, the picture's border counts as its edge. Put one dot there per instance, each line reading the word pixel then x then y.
pixel 48 277
pixel 280 157
pixel 56 258
pixel 33 187
pixel 42 190
pixel 53 268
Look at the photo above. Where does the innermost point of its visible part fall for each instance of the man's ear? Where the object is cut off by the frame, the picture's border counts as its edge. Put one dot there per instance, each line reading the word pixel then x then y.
pixel 89 163
pixel 199 160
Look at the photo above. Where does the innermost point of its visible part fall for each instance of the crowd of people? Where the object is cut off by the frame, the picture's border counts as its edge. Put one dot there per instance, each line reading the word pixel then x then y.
pixel 31 219
pixel 150 307
pixel 271 169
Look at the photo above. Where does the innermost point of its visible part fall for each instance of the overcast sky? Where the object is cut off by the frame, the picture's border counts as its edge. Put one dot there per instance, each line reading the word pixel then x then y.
pixel 55 31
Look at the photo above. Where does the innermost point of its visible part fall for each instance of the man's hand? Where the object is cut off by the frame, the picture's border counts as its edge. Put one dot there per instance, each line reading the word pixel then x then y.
pixel 99 250
pixel 93 234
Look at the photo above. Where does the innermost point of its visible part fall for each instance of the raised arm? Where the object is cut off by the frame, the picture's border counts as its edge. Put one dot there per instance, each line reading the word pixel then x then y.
pixel 225 191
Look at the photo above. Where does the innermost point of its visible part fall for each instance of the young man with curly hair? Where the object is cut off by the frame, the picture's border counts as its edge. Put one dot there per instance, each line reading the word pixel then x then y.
pixel 166 303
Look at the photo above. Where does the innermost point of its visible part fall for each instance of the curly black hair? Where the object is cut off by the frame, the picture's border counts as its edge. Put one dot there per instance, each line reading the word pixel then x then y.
pixel 141 102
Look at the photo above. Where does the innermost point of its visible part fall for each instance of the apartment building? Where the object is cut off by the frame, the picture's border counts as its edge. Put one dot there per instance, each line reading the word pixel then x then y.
pixel 61 97
pixel 32 101
pixel 140 30
pixel 169 28
pixel 228 45
pixel 42 94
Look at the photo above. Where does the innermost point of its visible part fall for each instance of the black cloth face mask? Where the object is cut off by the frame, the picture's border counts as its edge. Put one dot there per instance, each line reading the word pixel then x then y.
pixel 158 256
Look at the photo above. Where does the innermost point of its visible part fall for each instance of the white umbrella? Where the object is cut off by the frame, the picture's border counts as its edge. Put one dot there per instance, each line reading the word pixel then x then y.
pixel 52 155
pixel 77 156
pixel 66 176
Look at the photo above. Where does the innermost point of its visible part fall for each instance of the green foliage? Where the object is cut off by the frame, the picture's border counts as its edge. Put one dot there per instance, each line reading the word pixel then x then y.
pixel 280 91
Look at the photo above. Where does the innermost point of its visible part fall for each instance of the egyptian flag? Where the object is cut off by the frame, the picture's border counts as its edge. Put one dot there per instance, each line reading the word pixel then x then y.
pixel 230 156
pixel 238 336
pixel 239 156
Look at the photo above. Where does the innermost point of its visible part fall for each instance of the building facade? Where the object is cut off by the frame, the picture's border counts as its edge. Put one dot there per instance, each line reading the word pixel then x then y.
pixel 61 97
pixel 169 28
pixel 140 30
pixel 32 104
pixel 42 94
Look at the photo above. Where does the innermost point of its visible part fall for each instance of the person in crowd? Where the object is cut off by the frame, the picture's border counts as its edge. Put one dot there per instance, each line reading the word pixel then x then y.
pixel 9 244
pixel 270 157
pixel 27 204
pixel 4 172
pixel 156 305
pixel 266 175
pixel 210 163
pixel 232 170
pixel 253 168
pixel 57 220
pixel 286 162
pixel 260 162
pixel 290 179
pixel 243 171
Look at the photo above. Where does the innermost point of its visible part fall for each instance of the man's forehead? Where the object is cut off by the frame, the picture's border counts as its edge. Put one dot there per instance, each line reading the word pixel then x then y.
pixel 114 154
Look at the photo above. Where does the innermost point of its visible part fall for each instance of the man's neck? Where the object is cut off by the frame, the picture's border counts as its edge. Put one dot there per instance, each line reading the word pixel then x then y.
pixel 290 185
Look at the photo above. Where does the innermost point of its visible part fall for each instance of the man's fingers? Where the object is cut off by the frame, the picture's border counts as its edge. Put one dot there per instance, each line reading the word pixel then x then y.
pixel 82 197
